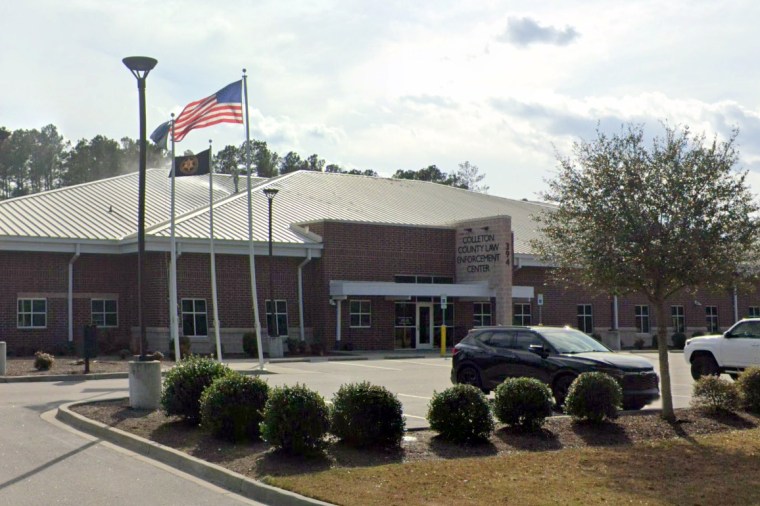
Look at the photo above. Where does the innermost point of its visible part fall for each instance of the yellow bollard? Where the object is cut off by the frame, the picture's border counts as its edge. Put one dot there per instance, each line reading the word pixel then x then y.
pixel 443 340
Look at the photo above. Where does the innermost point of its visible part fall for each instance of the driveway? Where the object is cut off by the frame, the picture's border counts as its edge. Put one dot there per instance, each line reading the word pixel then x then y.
pixel 45 462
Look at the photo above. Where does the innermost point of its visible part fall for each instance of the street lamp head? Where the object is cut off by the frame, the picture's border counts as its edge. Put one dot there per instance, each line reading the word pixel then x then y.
pixel 270 193
pixel 140 65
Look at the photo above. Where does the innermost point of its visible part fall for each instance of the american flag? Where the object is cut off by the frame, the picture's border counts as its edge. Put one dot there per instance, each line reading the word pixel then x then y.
pixel 224 106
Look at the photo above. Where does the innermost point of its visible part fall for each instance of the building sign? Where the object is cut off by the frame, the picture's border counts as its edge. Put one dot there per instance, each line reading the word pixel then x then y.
pixel 483 252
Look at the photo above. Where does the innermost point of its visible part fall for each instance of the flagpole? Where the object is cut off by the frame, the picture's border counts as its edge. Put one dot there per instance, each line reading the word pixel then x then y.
pixel 173 270
pixel 251 256
pixel 211 248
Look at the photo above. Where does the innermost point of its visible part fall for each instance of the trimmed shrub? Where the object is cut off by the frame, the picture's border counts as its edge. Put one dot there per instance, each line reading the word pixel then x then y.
pixel 749 388
pixel 714 395
pixel 679 340
pixel 655 342
pixel 292 344
pixel 460 414
pixel 698 333
pixel 184 348
pixel 125 354
pixel 156 355
pixel 523 403
pixel 250 344
pixel 296 420
pixel 638 343
pixel 43 361
pixel 366 415
pixel 232 407
pixel 594 396
pixel 184 384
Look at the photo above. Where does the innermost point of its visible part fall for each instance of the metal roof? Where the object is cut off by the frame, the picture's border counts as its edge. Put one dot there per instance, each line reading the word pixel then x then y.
pixel 107 209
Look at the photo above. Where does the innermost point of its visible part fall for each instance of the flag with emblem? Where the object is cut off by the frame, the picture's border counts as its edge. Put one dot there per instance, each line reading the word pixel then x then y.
pixel 192 165
pixel 224 106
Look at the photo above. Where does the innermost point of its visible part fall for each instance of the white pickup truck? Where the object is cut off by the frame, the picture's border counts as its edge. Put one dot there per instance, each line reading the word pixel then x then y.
pixel 730 352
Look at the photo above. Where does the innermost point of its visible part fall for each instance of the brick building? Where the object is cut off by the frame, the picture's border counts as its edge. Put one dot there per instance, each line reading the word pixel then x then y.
pixel 358 262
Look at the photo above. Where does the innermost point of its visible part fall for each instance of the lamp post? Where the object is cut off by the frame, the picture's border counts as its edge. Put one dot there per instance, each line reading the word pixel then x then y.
pixel 140 67
pixel 270 193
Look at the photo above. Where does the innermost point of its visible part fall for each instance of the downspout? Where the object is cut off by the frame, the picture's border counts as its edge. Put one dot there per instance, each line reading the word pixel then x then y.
pixel 338 303
pixel 615 323
pixel 71 293
pixel 300 292
pixel 736 306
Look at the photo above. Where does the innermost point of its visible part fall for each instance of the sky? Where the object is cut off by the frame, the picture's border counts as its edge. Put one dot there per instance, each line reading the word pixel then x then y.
pixel 388 85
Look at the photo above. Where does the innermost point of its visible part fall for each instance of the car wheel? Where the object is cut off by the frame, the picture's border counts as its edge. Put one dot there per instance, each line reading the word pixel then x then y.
pixel 704 365
pixel 633 404
pixel 468 375
pixel 560 388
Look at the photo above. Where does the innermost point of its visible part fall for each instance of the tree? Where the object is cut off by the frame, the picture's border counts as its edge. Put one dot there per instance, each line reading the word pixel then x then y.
pixel 266 161
pixel 291 163
pixel 433 174
pixel 655 221
pixel 226 161
pixel 469 178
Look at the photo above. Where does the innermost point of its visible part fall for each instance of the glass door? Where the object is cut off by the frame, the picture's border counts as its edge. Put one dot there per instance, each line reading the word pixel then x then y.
pixel 424 325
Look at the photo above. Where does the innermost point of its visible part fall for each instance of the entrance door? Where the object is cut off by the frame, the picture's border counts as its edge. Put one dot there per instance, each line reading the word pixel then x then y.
pixel 425 325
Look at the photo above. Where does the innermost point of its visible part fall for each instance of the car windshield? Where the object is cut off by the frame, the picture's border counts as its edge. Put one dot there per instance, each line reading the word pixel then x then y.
pixel 571 341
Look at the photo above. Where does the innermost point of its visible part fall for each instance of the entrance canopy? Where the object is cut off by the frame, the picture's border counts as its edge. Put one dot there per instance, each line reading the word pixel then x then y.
pixel 344 289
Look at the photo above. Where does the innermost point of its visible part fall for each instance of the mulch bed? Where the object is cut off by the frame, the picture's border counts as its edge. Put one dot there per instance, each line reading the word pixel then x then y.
pixel 68 365
pixel 257 459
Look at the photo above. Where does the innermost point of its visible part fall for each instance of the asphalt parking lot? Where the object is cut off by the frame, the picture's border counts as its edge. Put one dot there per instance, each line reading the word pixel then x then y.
pixel 414 380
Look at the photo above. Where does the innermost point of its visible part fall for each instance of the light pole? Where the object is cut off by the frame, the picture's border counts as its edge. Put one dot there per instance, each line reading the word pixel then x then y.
pixel 270 193
pixel 140 67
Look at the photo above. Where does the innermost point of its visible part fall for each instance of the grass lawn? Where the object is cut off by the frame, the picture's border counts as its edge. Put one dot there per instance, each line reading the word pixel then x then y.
pixel 721 468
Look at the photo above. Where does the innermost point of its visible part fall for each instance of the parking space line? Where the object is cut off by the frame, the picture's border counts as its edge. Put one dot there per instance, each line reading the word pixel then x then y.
pixel 364 365
pixel 447 366
pixel 413 416
pixel 286 370
pixel 414 396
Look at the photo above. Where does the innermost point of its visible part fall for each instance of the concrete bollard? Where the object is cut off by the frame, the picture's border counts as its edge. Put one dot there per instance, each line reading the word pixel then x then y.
pixel 145 384
pixel 2 358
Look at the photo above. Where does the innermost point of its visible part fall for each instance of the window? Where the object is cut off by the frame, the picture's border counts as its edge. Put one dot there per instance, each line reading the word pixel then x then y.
pixel 104 312
pixel 277 323
pixel 501 340
pixel 753 312
pixel 521 314
pixel 642 319
pixel 360 313
pixel 438 280
pixel 481 312
pixel 711 315
pixel 194 322
pixel 585 318
pixel 523 341
pixel 677 316
pixel 32 313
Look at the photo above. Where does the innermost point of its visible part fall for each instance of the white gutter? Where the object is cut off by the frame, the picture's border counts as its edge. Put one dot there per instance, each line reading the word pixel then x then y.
pixel 71 294
pixel 300 292
pixel 736 306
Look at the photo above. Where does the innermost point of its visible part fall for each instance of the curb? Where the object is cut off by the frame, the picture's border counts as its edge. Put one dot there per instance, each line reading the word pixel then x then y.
pixel 228 480
pixel 64 377
pixel 95 376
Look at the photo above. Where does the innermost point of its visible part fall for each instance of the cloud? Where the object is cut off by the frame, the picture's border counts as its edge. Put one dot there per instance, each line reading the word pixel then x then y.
pixel 432 100
pixel 526 31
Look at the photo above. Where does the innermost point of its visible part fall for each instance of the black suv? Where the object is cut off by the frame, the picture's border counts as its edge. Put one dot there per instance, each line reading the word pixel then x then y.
pixel 554 355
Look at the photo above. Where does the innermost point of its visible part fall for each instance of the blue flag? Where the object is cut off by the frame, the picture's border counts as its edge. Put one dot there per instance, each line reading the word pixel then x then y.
pixel 160 135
